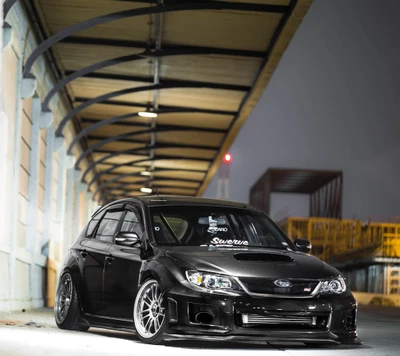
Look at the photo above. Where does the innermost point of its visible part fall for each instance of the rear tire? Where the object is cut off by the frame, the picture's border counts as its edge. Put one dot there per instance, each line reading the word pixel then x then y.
pixel 149 313
pixel 67 310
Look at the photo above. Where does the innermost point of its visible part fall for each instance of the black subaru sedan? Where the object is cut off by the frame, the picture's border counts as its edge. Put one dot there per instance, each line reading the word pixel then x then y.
pixel 174 268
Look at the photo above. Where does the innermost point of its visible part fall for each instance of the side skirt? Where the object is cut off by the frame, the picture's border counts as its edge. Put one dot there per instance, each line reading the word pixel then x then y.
pixel 105 322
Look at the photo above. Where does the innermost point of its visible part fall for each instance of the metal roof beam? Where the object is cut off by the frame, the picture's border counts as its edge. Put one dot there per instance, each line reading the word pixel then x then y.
pixel 142 124
pixel 156 145
pixel 104 184
pixel 89 70
pixel 8 4
pixel 136 152
pixel 172 82
pixel 104 97
pixel 124 135
pixel 257 7
pixel 119 119
pixel 162 107
pixel 133 163
pixel 194 50
pixel 102 160
pixel 158 9
pixel 160 128
pixel 193 170
pixel 155 178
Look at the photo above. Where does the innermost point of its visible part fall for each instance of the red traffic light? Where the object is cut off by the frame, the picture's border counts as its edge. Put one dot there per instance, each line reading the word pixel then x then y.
pixel 227 158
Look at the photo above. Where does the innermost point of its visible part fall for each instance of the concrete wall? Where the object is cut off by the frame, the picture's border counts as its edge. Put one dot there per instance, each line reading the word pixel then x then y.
pixel 332 104
pixel 43 204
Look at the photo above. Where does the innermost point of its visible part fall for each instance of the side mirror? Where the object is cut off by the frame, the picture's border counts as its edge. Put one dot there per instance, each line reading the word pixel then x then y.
pixel 303 245
pixel 128 239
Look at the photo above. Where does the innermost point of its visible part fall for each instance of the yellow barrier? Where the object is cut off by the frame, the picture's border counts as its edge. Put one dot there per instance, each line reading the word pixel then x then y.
pixel 377 299
pixel 332 238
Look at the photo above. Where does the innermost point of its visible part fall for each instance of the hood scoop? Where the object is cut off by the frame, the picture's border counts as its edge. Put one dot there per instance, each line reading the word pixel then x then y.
pixel 262 257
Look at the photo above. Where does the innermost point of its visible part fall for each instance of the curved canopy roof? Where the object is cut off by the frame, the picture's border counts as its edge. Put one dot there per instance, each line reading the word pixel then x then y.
pixel 200 65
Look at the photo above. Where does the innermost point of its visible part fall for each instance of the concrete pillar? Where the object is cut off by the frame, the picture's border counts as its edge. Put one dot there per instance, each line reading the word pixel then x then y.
pixel 76 206
pixel 60 214
pixel 31 226
pixel 48 183
pixel 68 211
pixel 15 182
pixel 7 35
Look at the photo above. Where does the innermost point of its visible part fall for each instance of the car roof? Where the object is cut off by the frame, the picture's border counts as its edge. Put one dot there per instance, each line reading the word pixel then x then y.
pixel 162 200
pixel 153 200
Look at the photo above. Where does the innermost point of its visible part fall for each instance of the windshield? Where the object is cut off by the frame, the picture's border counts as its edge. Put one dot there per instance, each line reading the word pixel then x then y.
pixel 215 226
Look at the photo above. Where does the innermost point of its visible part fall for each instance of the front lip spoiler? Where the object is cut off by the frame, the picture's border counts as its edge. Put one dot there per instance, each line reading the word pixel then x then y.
pixel 250 339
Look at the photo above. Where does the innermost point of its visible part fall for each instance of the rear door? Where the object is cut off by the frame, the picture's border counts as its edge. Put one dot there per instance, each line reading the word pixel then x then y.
pixel 122 269
pixel 93 253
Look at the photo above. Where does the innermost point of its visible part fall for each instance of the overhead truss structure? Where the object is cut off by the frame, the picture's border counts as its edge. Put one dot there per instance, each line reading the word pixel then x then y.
pixel 199 65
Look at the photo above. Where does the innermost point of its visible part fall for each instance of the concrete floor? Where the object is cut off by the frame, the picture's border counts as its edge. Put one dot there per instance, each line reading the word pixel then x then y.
pixel 35 333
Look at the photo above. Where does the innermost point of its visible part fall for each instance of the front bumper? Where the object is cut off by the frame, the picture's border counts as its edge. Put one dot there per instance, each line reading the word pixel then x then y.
pixel 332 320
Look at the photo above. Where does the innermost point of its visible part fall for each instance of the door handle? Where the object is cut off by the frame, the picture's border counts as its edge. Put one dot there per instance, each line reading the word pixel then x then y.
pixel 109 259
pixel 83 253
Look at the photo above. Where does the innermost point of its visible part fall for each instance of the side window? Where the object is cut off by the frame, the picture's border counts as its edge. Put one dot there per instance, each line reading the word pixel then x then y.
pixel 93 223
pixel 108 226
pixel 131 223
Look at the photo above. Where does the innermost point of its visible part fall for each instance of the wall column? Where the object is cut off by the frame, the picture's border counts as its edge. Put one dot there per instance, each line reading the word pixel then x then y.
pixel 48 183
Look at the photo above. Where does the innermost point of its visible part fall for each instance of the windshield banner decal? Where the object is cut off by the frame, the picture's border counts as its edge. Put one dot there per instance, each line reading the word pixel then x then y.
pixel 218 241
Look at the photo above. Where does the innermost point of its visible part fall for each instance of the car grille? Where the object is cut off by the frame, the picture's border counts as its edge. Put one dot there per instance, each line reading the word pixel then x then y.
pixel 299 287
pixel 283 320
pixel 278 319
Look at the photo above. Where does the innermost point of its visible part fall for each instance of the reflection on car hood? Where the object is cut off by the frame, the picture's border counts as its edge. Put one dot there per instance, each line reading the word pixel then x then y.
pixel 252 262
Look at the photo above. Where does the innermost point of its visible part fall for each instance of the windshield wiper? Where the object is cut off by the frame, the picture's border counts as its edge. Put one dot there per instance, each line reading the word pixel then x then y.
pixel 221 245
pixel 269 247
pixel 243 246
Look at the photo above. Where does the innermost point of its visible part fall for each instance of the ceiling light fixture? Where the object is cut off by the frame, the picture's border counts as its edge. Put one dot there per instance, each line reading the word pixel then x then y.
pixel 146 190
pixel 145 173
pixel 147 114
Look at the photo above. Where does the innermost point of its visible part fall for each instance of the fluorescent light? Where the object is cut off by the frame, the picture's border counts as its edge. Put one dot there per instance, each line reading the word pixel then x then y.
pixel 145 173
pixel 147 114
pixel 146 190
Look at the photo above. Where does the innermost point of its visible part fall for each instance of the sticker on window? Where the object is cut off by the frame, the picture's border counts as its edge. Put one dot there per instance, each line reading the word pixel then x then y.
pixel 218 241
pixel 213 226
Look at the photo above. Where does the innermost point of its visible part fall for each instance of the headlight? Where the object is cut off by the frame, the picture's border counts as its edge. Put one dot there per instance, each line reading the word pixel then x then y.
pixel 335 285
pixel 212 281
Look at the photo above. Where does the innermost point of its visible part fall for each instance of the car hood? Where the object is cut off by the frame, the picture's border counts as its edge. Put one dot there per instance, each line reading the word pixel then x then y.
pixel 252 262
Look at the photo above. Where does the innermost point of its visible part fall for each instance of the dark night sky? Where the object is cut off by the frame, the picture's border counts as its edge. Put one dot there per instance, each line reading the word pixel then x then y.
pixel 333 103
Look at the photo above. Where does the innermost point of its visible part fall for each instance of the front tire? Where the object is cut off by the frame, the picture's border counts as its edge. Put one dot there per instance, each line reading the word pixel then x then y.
pixel 149 313
pixel 66 307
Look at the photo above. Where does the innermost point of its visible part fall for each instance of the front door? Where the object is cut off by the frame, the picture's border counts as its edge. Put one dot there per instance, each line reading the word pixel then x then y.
pixel 94 253
pixel 121 271
pixel 93 257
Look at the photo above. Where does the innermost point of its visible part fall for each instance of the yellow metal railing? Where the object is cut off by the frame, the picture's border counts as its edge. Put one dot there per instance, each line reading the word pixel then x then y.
pixel 332 238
